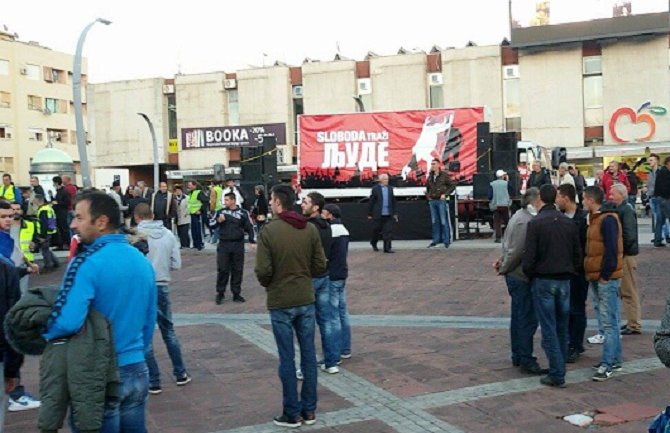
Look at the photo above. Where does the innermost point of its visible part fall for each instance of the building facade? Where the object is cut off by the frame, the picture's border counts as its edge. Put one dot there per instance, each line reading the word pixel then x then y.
pixel 36 105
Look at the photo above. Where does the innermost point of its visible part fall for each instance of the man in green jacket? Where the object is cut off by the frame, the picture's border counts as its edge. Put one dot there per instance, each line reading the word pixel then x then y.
pixel 289 255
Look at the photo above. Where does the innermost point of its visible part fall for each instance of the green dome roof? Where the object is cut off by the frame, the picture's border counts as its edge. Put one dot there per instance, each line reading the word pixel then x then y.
pixel 52 156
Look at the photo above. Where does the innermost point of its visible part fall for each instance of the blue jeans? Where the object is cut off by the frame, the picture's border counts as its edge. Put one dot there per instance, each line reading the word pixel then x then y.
pixel 608 303
pixel 284 322
pixel 552 307
pixel 164 320
pixel 127 413
pixel 196 231
pixel 338 287
pixel 661 209
pixel 327 308
pixel 523 323
pixel 439 217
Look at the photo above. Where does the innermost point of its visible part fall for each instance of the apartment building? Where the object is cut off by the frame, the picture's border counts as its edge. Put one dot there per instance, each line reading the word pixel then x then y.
pixel 36 105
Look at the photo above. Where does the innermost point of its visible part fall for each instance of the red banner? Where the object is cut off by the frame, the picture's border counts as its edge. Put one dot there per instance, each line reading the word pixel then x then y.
pixel 350 150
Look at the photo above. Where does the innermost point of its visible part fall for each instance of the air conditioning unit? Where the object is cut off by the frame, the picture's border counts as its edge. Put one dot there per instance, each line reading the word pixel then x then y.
pixel 364 86
pixel 230 83
pixel 23 71
pixel 510 72
pixel 435 79
pixel 168 88
pixel 297 92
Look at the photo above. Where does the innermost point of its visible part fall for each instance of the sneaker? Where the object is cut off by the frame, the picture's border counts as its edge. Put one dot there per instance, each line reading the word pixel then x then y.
pixel 617 366
pixel 285 421
pixel 239 298
pixel 628 331
pixel 550 381
pixel 308 418
pixel 181 381
pixel 446 245
pixel 24 402
pixel 155 390
pixel 596 339
pixel 330 370
pixel 345 355
pixel 573 356
pixel 322 362
pixel 602 374
pixel 299 375
pixel 431 245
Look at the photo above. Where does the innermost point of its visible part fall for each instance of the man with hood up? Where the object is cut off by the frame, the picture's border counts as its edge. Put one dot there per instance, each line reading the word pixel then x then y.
pixel 164 256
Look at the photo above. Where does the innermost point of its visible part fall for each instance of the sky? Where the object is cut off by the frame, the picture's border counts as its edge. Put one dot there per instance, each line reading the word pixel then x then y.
pixel 149 38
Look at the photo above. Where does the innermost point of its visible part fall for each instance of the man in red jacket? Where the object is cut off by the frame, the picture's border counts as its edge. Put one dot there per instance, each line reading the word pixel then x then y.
pixel 613 175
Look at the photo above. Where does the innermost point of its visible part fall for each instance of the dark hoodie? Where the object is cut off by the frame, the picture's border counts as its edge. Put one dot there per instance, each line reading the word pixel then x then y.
pixel 326 235
pixel 289 255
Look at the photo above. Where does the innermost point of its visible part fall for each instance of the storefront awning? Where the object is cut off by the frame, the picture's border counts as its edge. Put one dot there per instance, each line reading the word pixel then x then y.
pixel 632 149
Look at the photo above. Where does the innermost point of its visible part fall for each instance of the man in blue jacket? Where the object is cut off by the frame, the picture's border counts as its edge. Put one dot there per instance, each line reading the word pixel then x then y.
pixel 114 278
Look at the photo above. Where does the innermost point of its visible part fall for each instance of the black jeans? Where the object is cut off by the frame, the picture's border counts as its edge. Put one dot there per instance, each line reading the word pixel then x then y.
pixel 230 265
pixel 579 290
pixel 184 239
pixel 63 235
pixel 382 228
pixel 500 217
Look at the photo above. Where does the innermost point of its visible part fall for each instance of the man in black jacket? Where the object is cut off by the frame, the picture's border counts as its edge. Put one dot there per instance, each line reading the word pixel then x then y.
pixel 539 176
pixel 10 293
pixel 552 256
pixel 439 187
pixel 61 205
pixel 629 290
pixel 164 206
pixel 233 221
pixel 383 211
pixel 579 287
pixel 662 199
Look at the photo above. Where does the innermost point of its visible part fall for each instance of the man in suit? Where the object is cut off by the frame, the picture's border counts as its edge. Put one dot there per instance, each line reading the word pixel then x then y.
pixel 382 210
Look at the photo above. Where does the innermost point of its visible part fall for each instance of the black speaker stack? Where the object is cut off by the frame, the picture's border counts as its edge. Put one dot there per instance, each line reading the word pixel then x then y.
pixel 495 151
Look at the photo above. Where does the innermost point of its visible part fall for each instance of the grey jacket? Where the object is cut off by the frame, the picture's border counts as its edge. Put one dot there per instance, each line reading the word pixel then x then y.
pixel 513 244
pixel 164 252
pixel 662 337
pixel 183 216
pixel 500 194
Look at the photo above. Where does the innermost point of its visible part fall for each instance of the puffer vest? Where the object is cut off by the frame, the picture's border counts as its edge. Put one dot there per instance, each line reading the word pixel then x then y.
pixel 595 247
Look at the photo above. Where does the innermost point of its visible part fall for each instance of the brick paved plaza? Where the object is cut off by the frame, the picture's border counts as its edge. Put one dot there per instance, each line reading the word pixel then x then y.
pixel 430 354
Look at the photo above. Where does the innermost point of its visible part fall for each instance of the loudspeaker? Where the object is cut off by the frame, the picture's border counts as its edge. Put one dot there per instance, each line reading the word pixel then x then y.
pixel 504 161
pixel 483 136
pixel 515 183
pixel 504 141
pixel 483 160
pixel 251 166
pixel 558 156
pixel 480 185
pixel 269 160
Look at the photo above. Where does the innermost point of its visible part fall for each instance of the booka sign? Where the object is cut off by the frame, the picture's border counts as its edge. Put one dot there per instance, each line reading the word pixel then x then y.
pixel 231 136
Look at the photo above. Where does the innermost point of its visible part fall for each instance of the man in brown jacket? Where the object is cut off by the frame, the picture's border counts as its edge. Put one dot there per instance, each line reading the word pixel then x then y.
pixel 603 264
pixel 289 255
pixel 438 188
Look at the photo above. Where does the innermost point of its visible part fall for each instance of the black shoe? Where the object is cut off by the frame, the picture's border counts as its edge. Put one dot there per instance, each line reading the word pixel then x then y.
pixel 550 381
pixel 219 299
pixel 239 298
pixel 389 251
pixel 533 369
pixel 308 418
pixel 667 240
pixel 572 357
pixel 374 247
pixel 623 327
pixel 155 390
pixel 659 244
pixel 431 245
pixel 497 241
pixel 446 245
pixel 285 421
pixel 628 331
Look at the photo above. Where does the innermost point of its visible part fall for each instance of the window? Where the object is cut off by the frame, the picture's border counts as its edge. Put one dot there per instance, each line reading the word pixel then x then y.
pixel 60 135
pixel 233 107
pixel 5 132
pixel 34 103
pixel 36 134
pixel 4 67
pixel 592 65
pixel 172 116
pixel 593 91
pixel 512 95
pixel 5 99
pixel 51 105
pixel 436 97
pixel 33 72
pixel 7 164
pixel 298 109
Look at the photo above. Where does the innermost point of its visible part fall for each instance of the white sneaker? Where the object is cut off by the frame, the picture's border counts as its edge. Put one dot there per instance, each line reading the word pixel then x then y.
pixel 596 339
pixel 330 370
pixel 298 374
pixel 23 403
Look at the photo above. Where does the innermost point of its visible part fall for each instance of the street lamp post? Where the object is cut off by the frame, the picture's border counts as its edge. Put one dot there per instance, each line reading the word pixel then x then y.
pixel 155 144
pixel 78 116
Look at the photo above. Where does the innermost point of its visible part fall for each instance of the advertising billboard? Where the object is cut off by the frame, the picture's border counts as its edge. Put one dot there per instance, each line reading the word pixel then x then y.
pixel 545 22
pixel 350 150
pixel 231 136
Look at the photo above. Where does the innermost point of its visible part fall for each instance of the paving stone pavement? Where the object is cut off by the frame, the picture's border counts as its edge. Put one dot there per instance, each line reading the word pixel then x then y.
pixel 430 354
